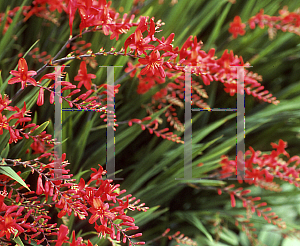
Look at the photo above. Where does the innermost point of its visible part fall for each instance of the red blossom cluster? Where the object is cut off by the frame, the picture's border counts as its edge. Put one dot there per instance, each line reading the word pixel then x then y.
pixel 251 206
pixel 261 169
pixel 249 203
pixel 92 14
pixel 178 237
pixel 23 213
pixel 152 126
pixel 18 117
pixel 157 70
pixel 206 65
pixel 159 63
pixel 24 76
pixel 171 72
pixel 165 65
pixel 286 21
pixel 30 217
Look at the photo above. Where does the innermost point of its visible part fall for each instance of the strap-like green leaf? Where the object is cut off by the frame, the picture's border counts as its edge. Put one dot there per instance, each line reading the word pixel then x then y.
pixel 5 151
pixel 196 222
pixel 18 241
pixel 8 171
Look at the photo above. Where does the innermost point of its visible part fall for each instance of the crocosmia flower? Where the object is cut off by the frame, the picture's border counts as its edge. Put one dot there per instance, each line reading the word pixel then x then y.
pixel 84 77
pixel 237 27
pixel 154 64
pixel 22 75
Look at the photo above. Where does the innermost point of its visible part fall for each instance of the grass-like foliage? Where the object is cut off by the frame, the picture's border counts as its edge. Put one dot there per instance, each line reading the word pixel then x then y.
pixel 72 72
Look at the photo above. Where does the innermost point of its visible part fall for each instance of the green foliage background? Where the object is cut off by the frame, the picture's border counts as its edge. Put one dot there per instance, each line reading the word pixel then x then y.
pixel 149 165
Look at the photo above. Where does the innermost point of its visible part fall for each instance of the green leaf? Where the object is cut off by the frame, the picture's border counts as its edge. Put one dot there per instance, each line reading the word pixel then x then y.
pixel 229 236
pixel 7 40
pixel 187 216
pixel 4 139
pixel 4 152
pixel 1 83
pixel 204 182
pixel 151 214
pixel 8 171
pixel 216 31
pixel 18 241
pixel 82 139
pixel 31 47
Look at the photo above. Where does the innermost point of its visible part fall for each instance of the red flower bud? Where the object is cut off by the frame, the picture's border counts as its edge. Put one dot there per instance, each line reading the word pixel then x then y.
pixel 40 100
pixel 39 188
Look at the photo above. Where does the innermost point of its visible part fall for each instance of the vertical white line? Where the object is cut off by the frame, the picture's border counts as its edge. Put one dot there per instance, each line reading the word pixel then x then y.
pixel 240 129
pixel 110 166
pixel 188 171
pixel 110 134
pixel 57 124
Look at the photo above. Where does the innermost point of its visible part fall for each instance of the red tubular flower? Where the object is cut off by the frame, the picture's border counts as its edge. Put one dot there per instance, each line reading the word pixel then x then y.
pixel 3 194
pixel 52 97
pixel 84 77
pixel 97 175
pixel 40 100
pixel 72 7
pixel 22 75
pixel 237 27
pixel 76 242
pixel 130 69
pixel 103 230
pixel 62 235
pixel 232 200
pixel 280 147
pixel 9 226
pixel 100 210
pixel 38 147
pixel 154 64
pixel 4 102
pixel 165 44
pixel 40 189
pixel 137 42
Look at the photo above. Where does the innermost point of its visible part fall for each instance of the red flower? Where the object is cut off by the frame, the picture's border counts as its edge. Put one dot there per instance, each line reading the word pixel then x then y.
pixel 130 69
pixel 38 147
pixel 138 43
pixel 280 147
pixel 72 7
pixel 4 102
pixel 232 199
pixel 22 75
pixel 62 235
pixel 154 64
pixel 237 27
pixel 9 226
pixel 165 44
pixel 40 100
pixel 100 210
pixel 84 77
pixel 97 175
pixel 78 241
pixel 103 230
pixel 40 189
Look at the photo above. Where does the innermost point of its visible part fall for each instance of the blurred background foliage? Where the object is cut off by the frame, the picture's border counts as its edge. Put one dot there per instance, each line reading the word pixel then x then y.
pixel 149 165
